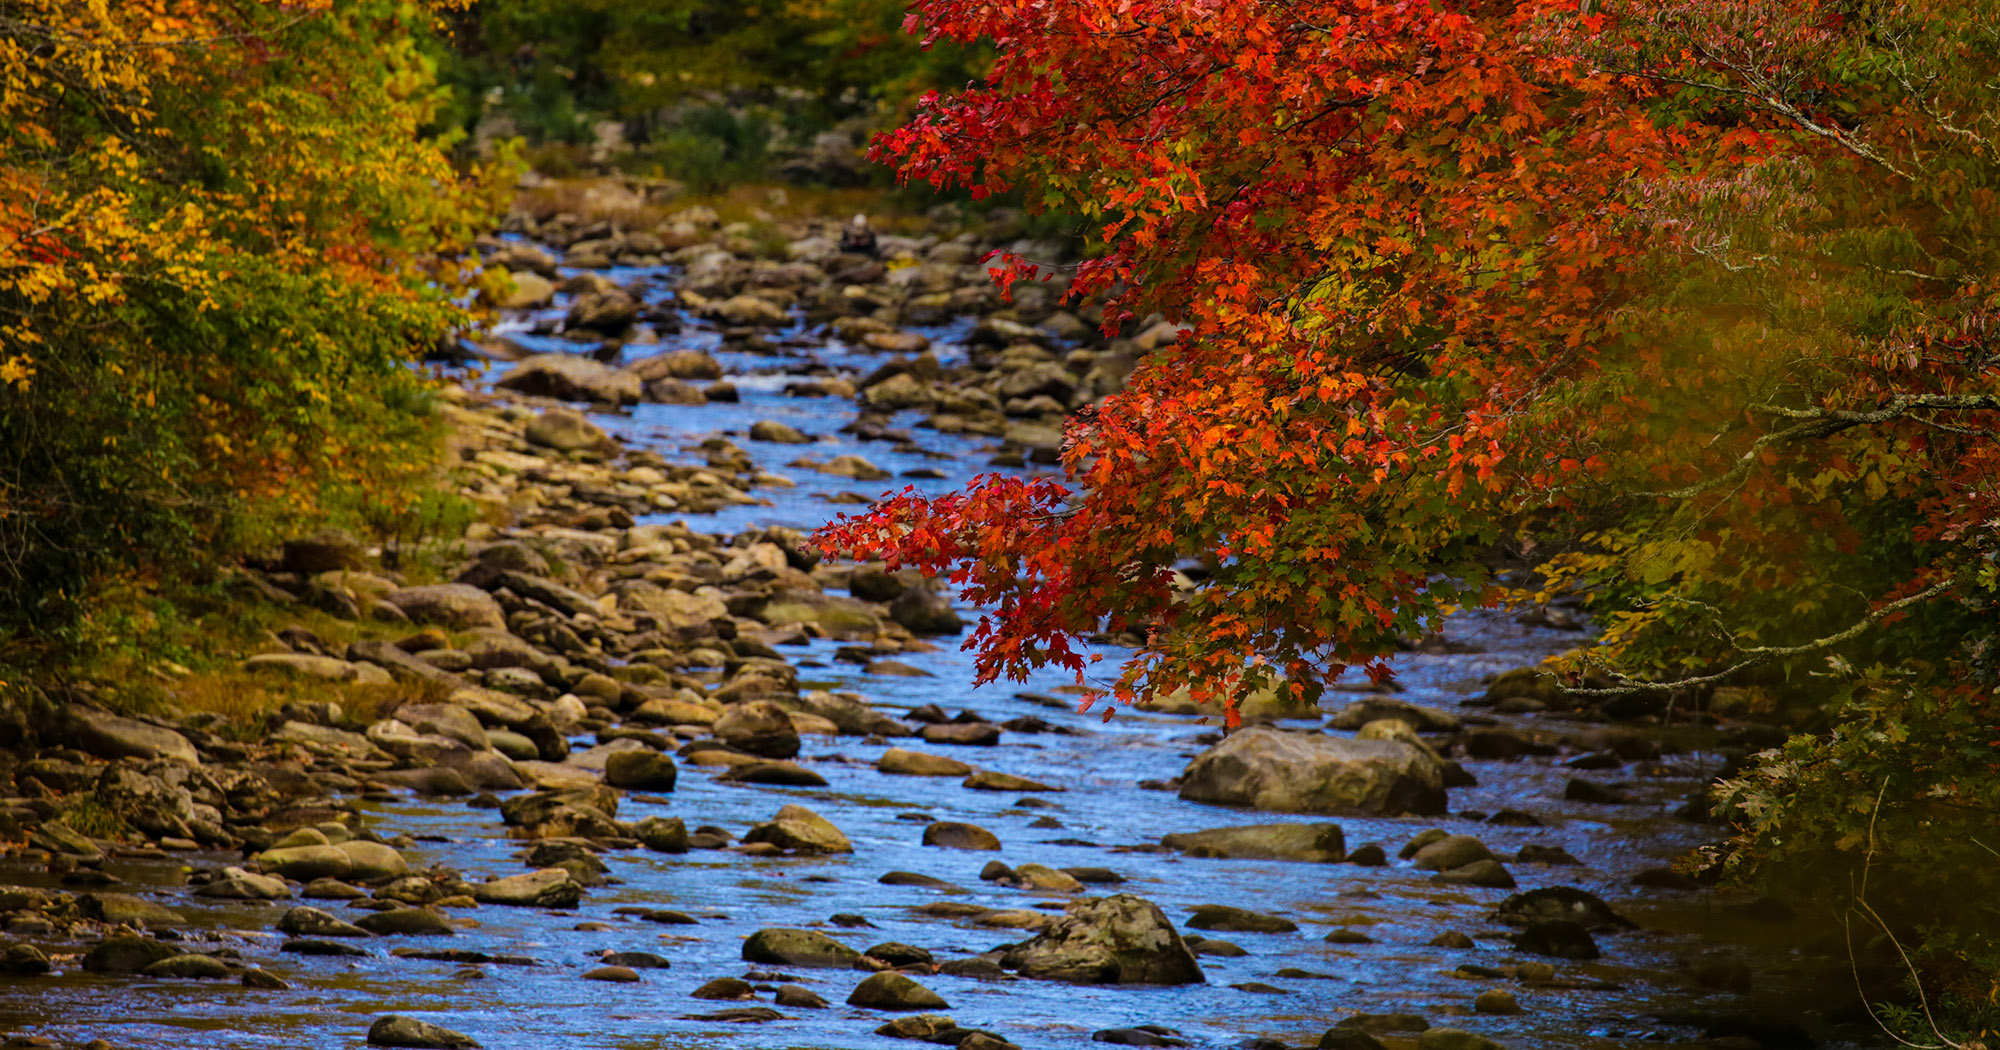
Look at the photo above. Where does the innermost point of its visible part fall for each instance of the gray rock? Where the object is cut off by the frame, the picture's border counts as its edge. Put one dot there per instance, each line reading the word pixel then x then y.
pixel 306 863
pixel 111 736
pixel 778 433
pixel 237 884
pixel 1225 917
pixel 663 834
pixel 1313 773
pixel 1451 851
pixel 455 606
pixel 1122 939
pixel 925 611
pixel 907 763
pixel 304 921
pixel 547 888
pixel 572 377
pixel 1314 843
pixel 1560 904
pixel 1375 708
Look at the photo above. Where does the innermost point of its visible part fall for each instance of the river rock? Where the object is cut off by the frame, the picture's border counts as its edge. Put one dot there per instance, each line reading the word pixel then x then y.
pixel 306 863
pixel 572 377
pixel 925 611
pixel 1451 851
pixel 954 835
pixel 902 762
pixel 1239 920
pixel 1560 904
pixel 408 922
pixel 546 888
pixel 663 834
pixel 126 954
pixel 1312 843
pixel 110 736
pixel 370 860
pixel 989 780
pixel 1314 773
pixel 191 967
pixel 127 910
pixel 1375 708
pixel 566 430
pixel 1496 1001
pixel 1561 939
pixel 24 960
pixel 396 1030
pixel 1121 939
pixel 455 606
pixel 890 990
pixel 800 830
pixel 645 770
pixel 1454 1039
pixel 305 921
pixel 237 884
pixel 759 727
pixel 791 947
pixel 964 734
pixel 777 433
pixel 614 974
pixel 1488 873
pixel 798 997
pixel 725 988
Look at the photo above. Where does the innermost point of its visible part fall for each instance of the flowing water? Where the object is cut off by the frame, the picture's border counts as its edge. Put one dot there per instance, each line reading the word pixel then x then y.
pixel 1687 945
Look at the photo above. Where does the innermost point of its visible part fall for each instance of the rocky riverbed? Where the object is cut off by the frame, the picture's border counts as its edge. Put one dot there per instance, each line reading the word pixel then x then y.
pixel 652 774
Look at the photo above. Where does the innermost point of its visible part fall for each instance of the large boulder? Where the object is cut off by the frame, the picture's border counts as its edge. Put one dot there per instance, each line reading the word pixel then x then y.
pixel 1313 773
pixel 641 770
pixel 1315 843
pixel 925 611
pixel 1122 939
pixel 568 377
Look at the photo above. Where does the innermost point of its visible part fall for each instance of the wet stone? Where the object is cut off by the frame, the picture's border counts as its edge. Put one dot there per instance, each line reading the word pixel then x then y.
pixel 951 834
pixel 395 1030
pixel 613 974
pixel 890 990
pixel 1240 920
pixel 725 988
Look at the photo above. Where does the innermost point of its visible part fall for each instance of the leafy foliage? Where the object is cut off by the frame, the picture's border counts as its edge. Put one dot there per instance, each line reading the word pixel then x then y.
pixel 1695 300
pixel 222 240
pixel 706 83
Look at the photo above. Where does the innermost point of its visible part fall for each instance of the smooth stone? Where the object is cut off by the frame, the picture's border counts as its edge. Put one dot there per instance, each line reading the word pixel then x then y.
pixel 952 834
pixel 799 997
pixel 1496 1001
pixel 395 1030
pixel 797 829
pixel 1451 851
pixel 989 780
pixel 902 762
pixel 641 771
pixel 783 946
pixel 1231 919
pixel 1312 773
pixel 306 863
pixel 1313 843
pixel 415 922
pixel 196 967
pixel 724 988
pixel 614 974
pixel 1455 1039
pixel 547 888
pixel 890 990
pixel 305 921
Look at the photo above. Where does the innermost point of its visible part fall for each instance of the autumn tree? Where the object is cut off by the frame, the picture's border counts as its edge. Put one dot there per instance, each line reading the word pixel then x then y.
pixel 223 242
pixel 1690 301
